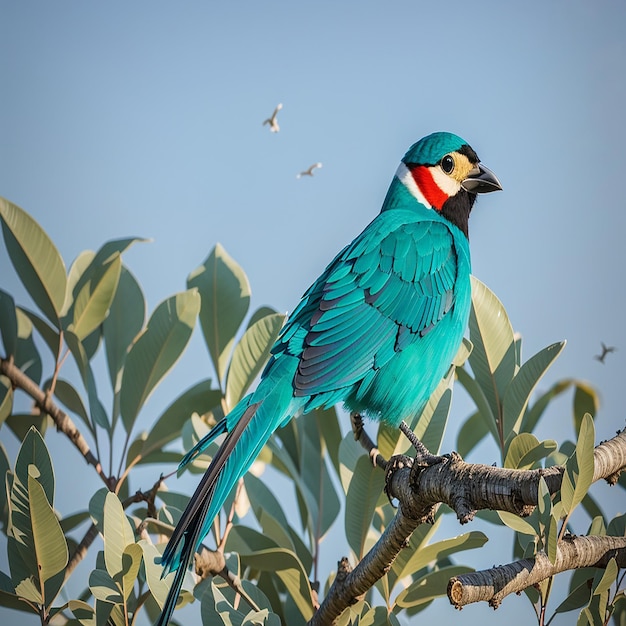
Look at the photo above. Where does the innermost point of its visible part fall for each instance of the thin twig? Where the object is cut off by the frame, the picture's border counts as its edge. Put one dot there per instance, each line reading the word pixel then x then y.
pixel 212 563
pixel 45 403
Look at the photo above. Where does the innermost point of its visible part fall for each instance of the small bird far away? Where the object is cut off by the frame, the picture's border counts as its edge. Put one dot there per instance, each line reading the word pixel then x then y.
pixel 272 121
pixel 605 350
pixel 375 332
pixel 309 172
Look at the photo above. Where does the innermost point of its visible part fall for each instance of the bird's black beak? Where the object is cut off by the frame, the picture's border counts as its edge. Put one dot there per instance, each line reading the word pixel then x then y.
pixel 481 180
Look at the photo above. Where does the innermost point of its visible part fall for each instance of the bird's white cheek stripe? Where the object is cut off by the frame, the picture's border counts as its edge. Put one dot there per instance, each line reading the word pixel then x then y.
pixel 446 183
pixel 406 178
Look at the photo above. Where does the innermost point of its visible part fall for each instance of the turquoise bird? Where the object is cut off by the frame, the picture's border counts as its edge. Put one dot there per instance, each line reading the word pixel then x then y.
pixel 376 331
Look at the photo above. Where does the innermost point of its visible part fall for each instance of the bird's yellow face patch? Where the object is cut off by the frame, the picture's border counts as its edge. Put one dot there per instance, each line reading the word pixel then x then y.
pixel 451 171
pixel 461 166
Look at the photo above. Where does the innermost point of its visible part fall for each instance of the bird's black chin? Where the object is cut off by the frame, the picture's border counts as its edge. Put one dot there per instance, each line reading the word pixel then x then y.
pixel 457 209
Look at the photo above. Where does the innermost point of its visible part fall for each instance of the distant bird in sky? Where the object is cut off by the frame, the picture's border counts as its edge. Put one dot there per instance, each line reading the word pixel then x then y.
pixel 376 331
pixel 272 121
pixel 310 171
pixel 605 350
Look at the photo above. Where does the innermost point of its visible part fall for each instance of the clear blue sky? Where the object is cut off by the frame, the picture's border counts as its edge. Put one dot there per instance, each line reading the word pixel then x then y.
pixel 144 118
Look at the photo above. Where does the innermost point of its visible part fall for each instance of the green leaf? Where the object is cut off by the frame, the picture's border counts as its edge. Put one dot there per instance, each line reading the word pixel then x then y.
pixel 608 578
pixel 480 400
pixel 585 401
pixel 260 313
pixel 48 538
pixel 35 259
pixel 377 616
pixel 225 294
pixel 34 451
pixel 579 468
pixel 430 586
pixel 432 422
pixel 131 560
pixel 591 506
pixel 82 611
pixel 442 549
pixel 262 499
pixel 250 355
pixel 244 540
pixel 48 334
pixel 70 398
pixel 69 522
pixel 534 412
pixel 24 539
pixel 544 502
pixel 125 320
pixel 21 423
pixel 350 452
pixel 517 523
pixel 577 598
pixel 407 562
pixel 91 303
pixel 6 398
pixel 617 526
pixel 389 440
pixel 104 588
pixel 324 506
pixel 217 610
pixel 156 351
pixel 551 540
pixel 290 571
pixel 77 269
pixel 273 530
pixel 518 393
pixel 365 488
pixel 118 534
pixel 330 431
pixel 493 358
pixel 465 349
pixel 96 409
pixel 525 450
pixel 158 586
pixel 200 398
pixel 5 467
pixel 473 431
pixel 8 323
pixel 26 589
pixel 10 600
pixel 27 356
pixel 547 521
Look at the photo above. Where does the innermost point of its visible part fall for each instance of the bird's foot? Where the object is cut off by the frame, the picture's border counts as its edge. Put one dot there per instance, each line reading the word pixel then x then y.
pixel 395 463
pixel 423 456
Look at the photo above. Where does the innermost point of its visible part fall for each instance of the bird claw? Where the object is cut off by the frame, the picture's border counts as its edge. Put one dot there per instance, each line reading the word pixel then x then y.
pixel 395 463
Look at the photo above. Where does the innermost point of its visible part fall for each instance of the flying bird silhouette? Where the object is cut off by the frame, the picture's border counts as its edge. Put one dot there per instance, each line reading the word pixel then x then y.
pixel 310 171
pixel 376 331
pixel 272 121
pixel 605 350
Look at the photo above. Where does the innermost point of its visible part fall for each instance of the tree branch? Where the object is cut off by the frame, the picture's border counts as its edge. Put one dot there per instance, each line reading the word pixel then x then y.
pixel 81 550
pixel 61 419
pixel 466 488
pixel 494 584
pixel 212 563
pixel 350 584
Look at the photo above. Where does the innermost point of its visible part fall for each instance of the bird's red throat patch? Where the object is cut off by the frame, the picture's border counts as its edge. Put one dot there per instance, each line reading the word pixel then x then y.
pixel 429 188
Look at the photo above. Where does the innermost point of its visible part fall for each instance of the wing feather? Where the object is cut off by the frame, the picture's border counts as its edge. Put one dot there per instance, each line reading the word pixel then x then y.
pixel 380 294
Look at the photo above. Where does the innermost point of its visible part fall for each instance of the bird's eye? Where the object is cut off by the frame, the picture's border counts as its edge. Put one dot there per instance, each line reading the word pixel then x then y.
pixel 447 164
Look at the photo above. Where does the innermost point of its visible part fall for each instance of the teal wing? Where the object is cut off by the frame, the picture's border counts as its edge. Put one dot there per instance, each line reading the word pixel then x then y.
pixel 380 294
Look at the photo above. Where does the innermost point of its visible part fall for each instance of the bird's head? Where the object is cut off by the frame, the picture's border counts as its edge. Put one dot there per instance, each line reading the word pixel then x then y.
pixel 444 173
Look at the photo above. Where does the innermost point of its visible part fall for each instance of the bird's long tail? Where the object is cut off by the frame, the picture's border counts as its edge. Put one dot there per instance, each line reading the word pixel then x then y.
pixel 249 426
